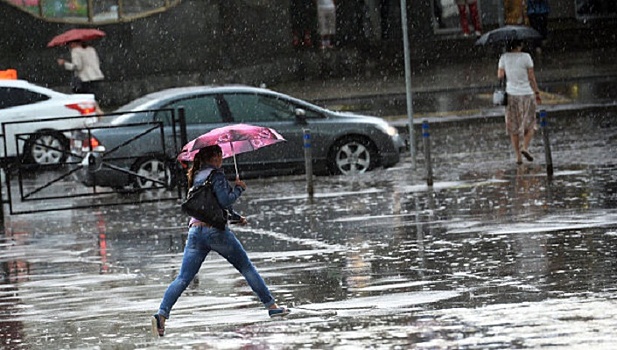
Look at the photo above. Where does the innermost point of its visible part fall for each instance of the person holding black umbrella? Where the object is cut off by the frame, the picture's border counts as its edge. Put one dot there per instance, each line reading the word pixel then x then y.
pixel 516 67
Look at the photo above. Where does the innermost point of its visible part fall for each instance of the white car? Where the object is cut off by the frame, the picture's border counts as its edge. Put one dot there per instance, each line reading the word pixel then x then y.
pixel 35 120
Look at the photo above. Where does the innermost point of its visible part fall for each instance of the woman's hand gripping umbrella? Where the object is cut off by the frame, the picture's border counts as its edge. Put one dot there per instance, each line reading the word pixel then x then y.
pixel 233 139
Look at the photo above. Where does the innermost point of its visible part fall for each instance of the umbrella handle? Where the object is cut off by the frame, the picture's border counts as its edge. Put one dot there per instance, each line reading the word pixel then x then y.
pixel 234 154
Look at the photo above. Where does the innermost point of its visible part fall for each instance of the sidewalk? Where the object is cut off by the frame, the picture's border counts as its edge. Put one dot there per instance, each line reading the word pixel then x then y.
pixel 567 80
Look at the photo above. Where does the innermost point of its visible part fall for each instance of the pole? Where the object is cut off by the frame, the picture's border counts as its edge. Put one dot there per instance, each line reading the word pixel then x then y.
pixel 412 145
pixel 182 120
pixel 308 162
pixel 427 153
pixel 547 145
pixel 180 173
pixel 3 173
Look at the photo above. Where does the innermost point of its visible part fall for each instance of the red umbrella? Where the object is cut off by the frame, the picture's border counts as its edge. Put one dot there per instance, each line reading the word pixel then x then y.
pixel 233 139
pixel 79 34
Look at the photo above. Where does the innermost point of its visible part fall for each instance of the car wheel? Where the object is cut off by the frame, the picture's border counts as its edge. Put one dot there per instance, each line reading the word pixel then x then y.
pixel 46 148
pixel 352 155
pixel 150 169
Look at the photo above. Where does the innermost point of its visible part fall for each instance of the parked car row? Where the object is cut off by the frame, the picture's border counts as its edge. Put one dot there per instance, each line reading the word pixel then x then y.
pixel 36 121
pixel 133 151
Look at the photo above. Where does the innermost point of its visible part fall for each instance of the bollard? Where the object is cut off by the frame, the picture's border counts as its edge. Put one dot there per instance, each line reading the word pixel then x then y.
pixel 547 146
pixel 308 162
pixel 427 153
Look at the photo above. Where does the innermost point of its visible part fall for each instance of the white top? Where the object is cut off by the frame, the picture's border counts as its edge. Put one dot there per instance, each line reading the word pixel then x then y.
pixel 516 65
pixel 85 63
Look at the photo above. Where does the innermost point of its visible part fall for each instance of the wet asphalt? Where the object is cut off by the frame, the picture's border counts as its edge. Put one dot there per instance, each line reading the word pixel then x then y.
pixel 492 256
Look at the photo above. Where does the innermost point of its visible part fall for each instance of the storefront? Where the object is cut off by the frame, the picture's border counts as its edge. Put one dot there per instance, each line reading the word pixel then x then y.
pixel 496 13
pixel 589 9
pixel 90 11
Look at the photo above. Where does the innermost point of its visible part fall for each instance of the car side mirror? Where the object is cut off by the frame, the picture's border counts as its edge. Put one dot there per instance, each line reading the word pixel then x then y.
pixel 300 115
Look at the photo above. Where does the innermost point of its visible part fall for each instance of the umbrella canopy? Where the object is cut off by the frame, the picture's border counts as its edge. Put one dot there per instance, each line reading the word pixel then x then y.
pixel 508 33
pixel 79 34
pixel 233 139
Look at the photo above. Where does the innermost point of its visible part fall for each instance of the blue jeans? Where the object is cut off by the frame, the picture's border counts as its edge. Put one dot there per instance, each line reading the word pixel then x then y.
pixel 201 241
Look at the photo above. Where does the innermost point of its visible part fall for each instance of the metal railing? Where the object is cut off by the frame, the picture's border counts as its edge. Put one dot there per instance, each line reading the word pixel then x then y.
pixel 32 188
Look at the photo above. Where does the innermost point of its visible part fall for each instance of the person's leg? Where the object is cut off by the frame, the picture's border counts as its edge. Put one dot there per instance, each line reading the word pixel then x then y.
pixel 528 137
pixel 515 139
pixel 194 255
pixel 86 88
pixel 331 18
pixel 543 29
pixel 543 25
pixel 529 122
pixel 322 26
pixel 475 17
pixel 513 126
pixel 462 12
pixel 534 22
pixel 231 249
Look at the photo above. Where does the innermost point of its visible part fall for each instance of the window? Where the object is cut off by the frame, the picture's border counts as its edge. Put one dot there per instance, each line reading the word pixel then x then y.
pixel 87 11
pixel 11 97
pixel 249 108
pixel 197 110
pixel 595 9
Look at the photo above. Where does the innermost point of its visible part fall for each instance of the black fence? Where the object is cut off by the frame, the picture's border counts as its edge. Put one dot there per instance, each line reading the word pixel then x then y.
pixel 47 168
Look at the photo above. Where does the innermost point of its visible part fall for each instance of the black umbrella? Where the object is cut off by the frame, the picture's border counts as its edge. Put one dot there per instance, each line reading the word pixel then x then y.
pixel 508 33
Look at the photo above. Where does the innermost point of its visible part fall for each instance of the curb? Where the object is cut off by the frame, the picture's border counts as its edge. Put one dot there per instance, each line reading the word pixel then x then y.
pixel 496 114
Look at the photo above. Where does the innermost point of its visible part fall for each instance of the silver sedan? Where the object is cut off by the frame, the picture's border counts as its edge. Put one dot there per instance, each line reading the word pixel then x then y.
pixel 137 146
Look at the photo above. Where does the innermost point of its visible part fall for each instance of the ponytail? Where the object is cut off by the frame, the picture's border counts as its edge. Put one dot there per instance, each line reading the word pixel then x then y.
pixel 194 167
pixel 203 157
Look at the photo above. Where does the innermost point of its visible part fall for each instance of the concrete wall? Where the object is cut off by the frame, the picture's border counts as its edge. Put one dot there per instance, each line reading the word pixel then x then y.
pixel 196 42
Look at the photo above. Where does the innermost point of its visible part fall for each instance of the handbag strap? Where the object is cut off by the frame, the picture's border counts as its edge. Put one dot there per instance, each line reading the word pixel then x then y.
pixel 207 181
pixel 209 178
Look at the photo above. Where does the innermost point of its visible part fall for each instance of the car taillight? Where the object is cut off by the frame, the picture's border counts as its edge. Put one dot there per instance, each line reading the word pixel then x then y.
pixel 84 108
pixel 91 144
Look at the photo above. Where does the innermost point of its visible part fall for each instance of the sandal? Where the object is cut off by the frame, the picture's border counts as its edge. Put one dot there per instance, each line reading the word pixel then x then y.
pixel 157 328
pixel 527 155
pixel 280 312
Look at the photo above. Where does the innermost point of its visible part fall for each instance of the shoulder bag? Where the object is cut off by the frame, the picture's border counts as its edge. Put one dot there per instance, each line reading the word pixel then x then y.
pixel 201 203
pixel 500 97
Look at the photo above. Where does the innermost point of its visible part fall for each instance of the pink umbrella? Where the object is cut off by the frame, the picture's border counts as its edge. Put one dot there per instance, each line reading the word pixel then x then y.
pixel 233 139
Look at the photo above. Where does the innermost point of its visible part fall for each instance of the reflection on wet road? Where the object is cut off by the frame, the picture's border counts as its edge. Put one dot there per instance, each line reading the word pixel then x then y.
pixel 472 100
pixel 493 256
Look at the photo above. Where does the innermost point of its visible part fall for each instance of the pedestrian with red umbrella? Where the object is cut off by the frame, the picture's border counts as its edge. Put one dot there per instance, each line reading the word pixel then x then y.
pixel 203 237
pixel 85 63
